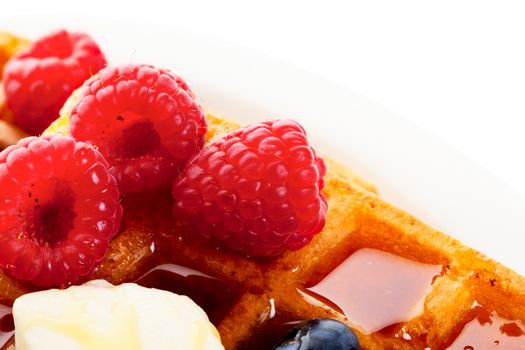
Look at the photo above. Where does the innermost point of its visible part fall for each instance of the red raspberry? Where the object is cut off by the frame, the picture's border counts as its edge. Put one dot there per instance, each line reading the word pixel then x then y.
pixel 144 120
pixel 59 208
pixel 38 81
pixel 258 190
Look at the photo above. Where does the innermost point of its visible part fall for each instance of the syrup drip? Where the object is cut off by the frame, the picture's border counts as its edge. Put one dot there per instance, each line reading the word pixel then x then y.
pixel 270 335
pixel 486 330
pixel 200 287
pixel 274 325
pixel 375 289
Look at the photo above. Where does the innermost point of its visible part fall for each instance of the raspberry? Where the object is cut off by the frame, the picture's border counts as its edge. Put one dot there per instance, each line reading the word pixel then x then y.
pixel 258 190
pixel 38 81
pixel 144 120
pixel 59 208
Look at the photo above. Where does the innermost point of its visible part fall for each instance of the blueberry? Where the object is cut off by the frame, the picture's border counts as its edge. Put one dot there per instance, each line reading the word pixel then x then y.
pixel 320 333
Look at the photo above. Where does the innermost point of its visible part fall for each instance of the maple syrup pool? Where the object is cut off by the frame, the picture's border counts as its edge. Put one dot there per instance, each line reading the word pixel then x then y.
pixel 373 288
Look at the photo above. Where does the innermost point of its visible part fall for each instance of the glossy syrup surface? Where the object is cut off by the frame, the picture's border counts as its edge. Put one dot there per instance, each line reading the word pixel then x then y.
pixel 372 288
pixel 214 295
pixel 486 330
pixel 7 327
pixel 274 325
pixel 375 289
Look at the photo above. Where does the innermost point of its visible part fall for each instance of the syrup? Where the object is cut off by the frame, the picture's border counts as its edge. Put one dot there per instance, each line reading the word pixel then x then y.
pixel 200 287
pixel 214 295
pixel 7 327
pixel 274 325
pixel 486 330
pixel 375 289
pixel 270 335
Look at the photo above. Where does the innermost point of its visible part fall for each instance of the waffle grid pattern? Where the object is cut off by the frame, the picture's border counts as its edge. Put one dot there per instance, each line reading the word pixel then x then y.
pixel 357 219
pixel 270 290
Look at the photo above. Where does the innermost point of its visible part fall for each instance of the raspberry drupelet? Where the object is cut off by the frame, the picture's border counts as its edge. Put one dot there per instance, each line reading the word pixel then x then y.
pixel 257 190
pixel 59 209
pixel 38 81
pixel 144 120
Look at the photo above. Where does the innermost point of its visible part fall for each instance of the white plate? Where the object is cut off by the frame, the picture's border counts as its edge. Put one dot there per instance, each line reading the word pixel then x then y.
pixel 412 168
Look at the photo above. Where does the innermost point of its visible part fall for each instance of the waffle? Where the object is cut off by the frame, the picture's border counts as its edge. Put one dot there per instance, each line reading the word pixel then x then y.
pixel 9 45
pixel 445 295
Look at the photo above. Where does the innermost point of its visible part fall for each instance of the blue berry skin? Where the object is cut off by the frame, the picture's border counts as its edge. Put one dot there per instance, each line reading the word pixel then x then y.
pixel 320 334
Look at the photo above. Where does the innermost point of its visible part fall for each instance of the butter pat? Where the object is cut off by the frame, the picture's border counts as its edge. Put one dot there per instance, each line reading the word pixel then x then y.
pixel 100 316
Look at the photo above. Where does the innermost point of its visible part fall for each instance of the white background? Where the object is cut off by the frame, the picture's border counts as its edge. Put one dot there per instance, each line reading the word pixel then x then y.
pixel 457 67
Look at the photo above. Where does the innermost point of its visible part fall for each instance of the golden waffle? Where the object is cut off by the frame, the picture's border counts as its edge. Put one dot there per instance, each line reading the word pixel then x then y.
pixel 253 301
pixel 9 45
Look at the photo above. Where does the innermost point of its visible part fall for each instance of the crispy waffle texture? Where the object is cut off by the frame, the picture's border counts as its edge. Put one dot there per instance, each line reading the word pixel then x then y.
pixel 255 297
